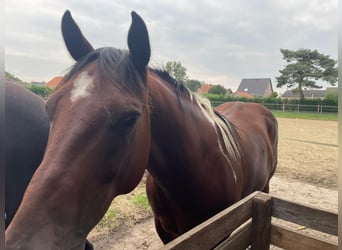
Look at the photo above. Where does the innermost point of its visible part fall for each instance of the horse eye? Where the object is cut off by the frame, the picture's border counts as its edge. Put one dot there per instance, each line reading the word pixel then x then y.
pixel 129 120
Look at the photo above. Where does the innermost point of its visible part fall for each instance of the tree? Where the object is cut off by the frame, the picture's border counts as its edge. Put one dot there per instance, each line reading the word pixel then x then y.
pixel 43 91
pixel 12 77
pixel 274 94
pixel 218 90
pixel 304 68
pixel 193 85
pixel 332 95
pixel 177 70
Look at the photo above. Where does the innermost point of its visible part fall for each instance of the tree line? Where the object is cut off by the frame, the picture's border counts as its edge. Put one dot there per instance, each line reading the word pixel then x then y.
pixel 303 70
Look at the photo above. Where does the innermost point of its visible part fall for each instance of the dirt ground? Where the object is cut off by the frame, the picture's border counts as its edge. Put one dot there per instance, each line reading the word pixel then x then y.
pixel 307 173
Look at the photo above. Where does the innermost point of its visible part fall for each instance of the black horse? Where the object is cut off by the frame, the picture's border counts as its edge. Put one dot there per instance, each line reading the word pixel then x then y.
pixel 27 130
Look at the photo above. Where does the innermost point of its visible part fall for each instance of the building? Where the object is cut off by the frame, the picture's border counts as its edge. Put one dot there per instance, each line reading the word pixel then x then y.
pixel 54 82
pixel 38 83
pixel 204 88
pixel 255 87
pixel 308 93
pixel 243 94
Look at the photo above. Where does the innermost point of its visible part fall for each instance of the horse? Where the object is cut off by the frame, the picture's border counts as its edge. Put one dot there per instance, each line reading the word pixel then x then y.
pixel 199 160
pixel 203 160
pixel 27 130
pixel 98 143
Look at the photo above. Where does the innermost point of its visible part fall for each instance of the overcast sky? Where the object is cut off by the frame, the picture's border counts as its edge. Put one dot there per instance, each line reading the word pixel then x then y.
pixel 219 42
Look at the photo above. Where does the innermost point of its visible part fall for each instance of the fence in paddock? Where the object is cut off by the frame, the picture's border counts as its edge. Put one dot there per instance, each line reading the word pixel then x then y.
pixel 257 222
pixel 302 108
pixel 295 108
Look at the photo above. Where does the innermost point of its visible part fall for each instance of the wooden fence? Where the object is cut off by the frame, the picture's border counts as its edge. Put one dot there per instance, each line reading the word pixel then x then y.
pixel 254 222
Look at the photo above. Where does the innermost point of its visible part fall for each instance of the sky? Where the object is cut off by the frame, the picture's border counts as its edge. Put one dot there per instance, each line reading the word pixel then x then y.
pixel 219 42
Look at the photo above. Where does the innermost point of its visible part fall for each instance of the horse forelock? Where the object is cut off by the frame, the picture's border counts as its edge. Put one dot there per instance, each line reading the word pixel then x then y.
pixel 225 129
pixel 113 65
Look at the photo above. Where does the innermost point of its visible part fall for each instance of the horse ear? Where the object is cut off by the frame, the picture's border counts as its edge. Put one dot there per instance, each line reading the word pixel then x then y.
pixel 138 42
pixel 76 43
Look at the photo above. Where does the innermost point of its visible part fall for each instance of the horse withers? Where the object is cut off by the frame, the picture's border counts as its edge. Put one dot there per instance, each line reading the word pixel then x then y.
pixel 98 144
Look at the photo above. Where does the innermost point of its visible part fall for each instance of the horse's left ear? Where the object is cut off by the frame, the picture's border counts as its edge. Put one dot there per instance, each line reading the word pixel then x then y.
pixel 138 42
pixel 77 45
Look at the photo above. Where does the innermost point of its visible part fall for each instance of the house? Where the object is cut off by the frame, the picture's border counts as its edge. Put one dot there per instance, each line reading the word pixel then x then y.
pixel 204 88
pixel 54 82
pixel 308 93
pixel 38 83
pixel 256 87
pixel 243 94
pixel 332 89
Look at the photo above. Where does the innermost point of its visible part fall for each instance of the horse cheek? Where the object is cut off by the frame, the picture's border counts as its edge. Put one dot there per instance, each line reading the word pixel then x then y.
pixel 136 161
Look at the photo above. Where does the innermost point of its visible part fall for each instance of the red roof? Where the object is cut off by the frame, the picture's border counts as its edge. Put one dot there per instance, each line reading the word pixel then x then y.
pixel 204 88
pixel 54 82
pixel 243 94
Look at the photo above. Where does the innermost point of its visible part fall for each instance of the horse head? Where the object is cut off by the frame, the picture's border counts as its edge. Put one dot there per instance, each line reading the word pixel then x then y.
pixel 98 143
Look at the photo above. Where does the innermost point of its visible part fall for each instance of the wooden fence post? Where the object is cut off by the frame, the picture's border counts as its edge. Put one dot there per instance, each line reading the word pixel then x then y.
pixel 261 222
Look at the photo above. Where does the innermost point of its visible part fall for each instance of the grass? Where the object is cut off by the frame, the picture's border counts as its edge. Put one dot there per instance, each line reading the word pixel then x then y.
pixel 126 209
pixel 108 218
pixel 312 116
pixel 141 201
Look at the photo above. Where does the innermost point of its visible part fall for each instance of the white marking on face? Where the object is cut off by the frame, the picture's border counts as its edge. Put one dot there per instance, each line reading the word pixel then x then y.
pixel 83 86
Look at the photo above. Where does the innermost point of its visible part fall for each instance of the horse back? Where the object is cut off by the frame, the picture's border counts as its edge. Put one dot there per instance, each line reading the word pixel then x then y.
pixel 27 129
pixel 258 133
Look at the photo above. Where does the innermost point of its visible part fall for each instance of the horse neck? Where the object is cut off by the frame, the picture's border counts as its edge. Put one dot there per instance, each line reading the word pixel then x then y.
pixel 187 142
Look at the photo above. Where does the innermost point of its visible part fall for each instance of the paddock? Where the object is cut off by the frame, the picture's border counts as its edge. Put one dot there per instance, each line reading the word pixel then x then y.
pixel 302 176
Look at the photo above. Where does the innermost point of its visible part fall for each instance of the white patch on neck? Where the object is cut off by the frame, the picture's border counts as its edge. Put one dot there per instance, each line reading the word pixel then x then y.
pixel 83 85
pixel 190 94
pixel 229 143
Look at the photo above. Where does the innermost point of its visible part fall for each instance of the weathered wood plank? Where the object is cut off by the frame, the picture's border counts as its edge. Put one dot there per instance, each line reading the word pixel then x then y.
pixel 293 240
pixel 239 240
pixel 261 222
pixel 306 215
pixel 213 231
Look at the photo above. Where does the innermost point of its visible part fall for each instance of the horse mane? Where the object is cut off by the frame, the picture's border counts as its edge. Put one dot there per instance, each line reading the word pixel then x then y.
pixel 225 128
pixel 115 65
pixel 165 75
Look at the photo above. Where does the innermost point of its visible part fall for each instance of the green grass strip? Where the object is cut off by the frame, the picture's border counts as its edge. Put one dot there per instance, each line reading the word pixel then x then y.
pixel 312 116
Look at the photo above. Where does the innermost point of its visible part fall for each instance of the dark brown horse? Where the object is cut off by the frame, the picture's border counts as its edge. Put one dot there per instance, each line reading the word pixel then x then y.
pixel 202 161
pixel 98 144
pixel 27 130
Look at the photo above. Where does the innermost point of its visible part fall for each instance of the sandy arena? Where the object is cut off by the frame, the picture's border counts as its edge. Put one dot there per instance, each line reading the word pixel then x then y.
pixel 307 173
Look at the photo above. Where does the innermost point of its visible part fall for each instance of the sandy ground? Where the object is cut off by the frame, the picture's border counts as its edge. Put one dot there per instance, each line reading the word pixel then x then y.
pixel 307 151
pixel 307 173
pixel 143 235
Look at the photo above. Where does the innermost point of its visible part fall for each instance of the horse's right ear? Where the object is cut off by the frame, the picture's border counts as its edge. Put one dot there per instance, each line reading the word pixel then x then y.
pixel 138 42
pixel 76 43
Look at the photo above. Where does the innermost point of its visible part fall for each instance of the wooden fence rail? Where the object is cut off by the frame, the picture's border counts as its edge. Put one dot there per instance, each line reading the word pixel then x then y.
pixel 250 223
